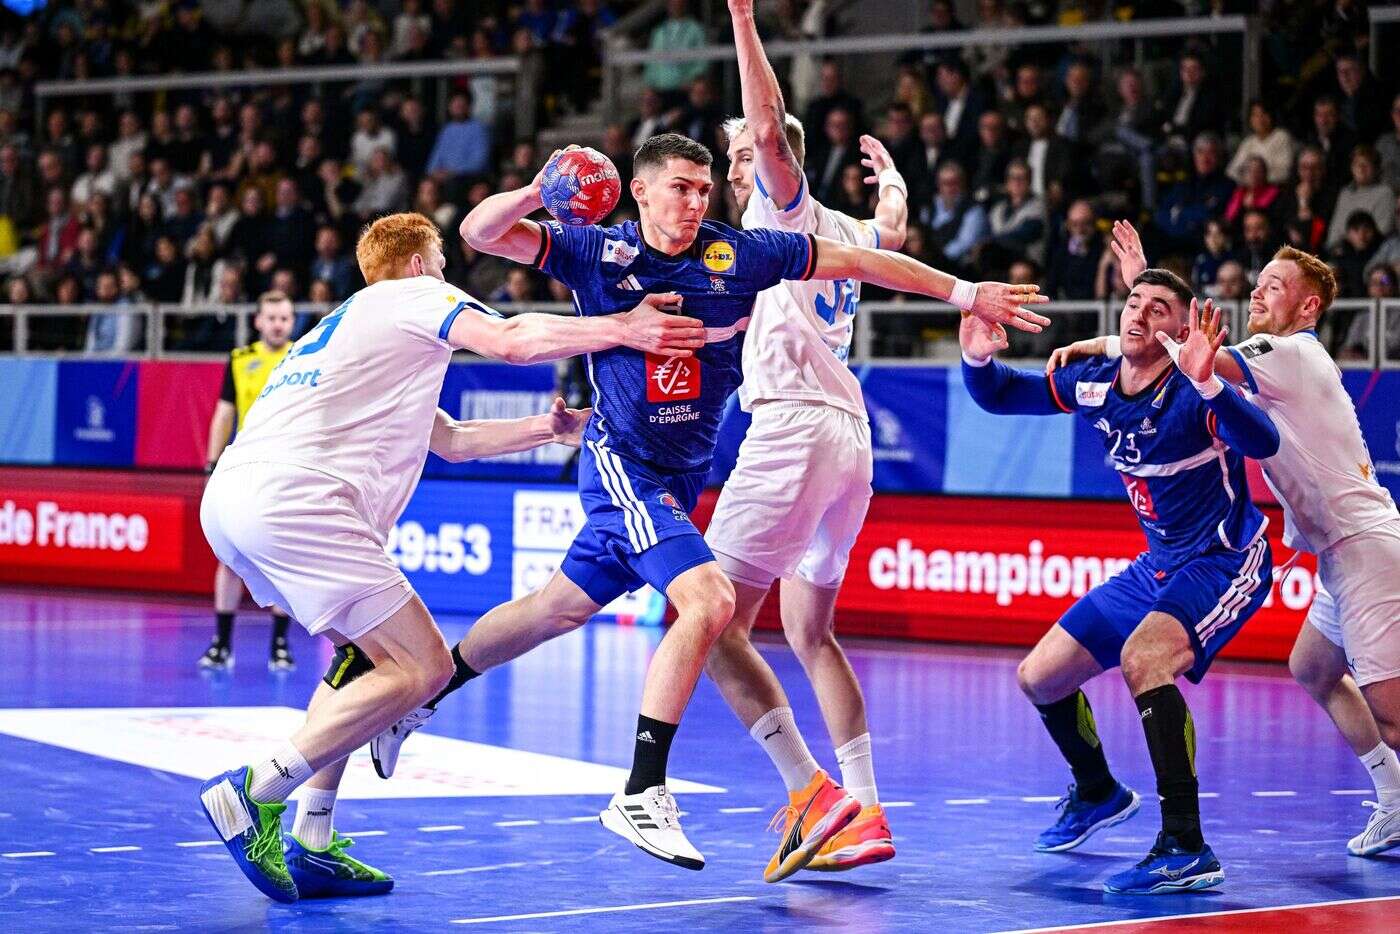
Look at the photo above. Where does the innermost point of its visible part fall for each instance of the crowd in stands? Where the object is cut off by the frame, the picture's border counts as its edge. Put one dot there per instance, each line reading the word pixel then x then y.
pixel 1018 158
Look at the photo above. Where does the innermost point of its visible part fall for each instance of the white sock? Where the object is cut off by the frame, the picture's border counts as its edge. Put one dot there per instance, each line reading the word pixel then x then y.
pixel 776 731
pixel 858 770
pixel 1384 768
pixel 315 810
pixel 276 777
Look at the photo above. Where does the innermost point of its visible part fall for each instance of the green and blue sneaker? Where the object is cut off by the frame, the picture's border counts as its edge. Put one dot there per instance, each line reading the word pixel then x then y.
pixel 332 873
pixel 251 830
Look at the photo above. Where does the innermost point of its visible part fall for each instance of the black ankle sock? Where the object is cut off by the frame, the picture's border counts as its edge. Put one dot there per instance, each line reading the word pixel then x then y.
pixel 461 674
pixel 223 628
pixel 1171 739
pixel 1070 722
pixel 649 758
pixel 280 623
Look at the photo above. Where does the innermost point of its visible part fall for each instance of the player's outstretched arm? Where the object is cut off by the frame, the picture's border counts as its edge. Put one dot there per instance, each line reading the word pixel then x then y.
pixel 993 385
pixel 764 111
pixel 498 225
pixel 455 441
pixel 892 210
pixel 993 302
pixel 652 327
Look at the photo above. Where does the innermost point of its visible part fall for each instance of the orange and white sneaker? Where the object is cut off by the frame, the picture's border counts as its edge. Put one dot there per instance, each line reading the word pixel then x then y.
pixel 813 816
pixel 865 840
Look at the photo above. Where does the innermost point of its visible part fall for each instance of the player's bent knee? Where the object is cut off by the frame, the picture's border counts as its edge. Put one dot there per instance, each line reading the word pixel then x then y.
pixel 433 673
pixel 807 644
pixel 1309 675
pixel 1032 683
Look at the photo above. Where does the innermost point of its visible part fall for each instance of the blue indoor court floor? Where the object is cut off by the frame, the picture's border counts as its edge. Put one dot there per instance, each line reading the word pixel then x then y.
pixel 105 724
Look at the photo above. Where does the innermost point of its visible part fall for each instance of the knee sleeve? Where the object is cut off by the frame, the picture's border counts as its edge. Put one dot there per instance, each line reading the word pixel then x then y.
pixel 348 664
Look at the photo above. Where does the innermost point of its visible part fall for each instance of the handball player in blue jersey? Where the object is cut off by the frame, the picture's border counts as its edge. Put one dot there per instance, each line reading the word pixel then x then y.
pixel 1178 436
pixel 649 443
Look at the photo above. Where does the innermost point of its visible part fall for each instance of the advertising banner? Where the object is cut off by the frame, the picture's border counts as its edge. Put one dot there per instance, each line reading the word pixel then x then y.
pixel 28 397
pixel 96 413
pixel 174 402
pixel 499 390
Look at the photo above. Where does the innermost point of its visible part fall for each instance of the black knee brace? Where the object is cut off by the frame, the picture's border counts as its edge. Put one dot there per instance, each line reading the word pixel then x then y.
pixel 348 664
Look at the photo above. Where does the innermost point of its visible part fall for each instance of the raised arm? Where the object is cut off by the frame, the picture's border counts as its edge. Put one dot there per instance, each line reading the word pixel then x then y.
pixel 764 113
pixel 652 327
pixel 892 210
pixel 994 386
pixel 994 302
pixel 455 440
pixel 498 226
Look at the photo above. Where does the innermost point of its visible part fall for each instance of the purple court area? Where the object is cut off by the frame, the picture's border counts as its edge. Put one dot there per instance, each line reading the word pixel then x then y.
pixel 104 714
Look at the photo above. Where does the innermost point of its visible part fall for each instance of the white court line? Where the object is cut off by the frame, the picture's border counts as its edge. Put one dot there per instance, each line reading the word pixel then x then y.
pixel 969 801
pixel 1353 791
pixel 517 823
pixel 1274 794
pixel 114 849
pixel 1040 799
pixel 584 819
pixel 29 854
pixel 201 843
pixel 440 828
pixel 458 872
pixel 599 911
pixel 1209 794
pixel 1203 914
pixel 367 833
pixel 896 804
pixel 740 810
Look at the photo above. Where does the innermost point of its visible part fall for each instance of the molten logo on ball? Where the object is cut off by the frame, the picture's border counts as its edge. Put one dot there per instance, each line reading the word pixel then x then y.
pixel 580 187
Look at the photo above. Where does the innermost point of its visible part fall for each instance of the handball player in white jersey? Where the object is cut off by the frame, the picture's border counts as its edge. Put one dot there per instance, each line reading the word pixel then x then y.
pixel 1347 655
pixel 301 504
pixel 797 497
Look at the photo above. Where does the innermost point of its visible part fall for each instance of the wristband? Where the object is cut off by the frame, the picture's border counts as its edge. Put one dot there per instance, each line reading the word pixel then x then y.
pixel 964 294
pixel 1210 388
pixel 890 178
pixel 1113 346
pixel 209 466
pixel 975 361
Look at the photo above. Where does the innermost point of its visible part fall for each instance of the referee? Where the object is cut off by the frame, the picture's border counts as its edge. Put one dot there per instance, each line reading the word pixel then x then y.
pixel 247 372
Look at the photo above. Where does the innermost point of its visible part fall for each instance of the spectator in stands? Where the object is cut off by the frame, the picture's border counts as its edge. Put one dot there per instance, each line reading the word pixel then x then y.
pixel 1197 108
pixel 1356 345
pixel 416 137
pixel 1027 90
pixel 185 218
pixel 58 236
pixel 370 136
pixel 1388 146
pixel 911 90
pixel 1254 192
pixel 1130 131
pixel 832 94
pixel 86 262
pixel 334 197
pixel 111 333
pixel 1268 141
pixel 519 288
pixel 130 138
pixel 263 172
pixel 956 223
pixel 615 147
pixel 652 119
pixel 679 30
pixel 1050 158
pixel 942 19
pixel 1184 208
pixel 933 137
pixel 186 150
pixel 1360 242
pixel 51 171
pixel 332 265
pixel 410 20
pixel 961 107
pixel 146 225
pixel 478 273
pixel 1361 103
pixel 1074 263
pixel 203 268
pixel 385 189
pixel 164 276
pixel 219 213
pixel 58 137
pixel 1365 193
pixel 95 177
pixel 1329 135
pixel 1388 254
pixel 463 146
pixel 828 155
pixel 1016 222
pixel 17 188
pixel 899 138
pixel 1305 208
pixel 1230 285
pixel 1080 109
pixel 854 196
pixel 579 38
pixel 247 240
pixel 292 230
pixel 427 200
pixel 1217 251
pixel 701 116
pixel 1258 243
pixel 988 169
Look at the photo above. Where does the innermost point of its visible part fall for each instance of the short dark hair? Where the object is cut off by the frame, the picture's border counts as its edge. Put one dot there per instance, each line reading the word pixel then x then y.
pixel 1167 280
pixel 663 146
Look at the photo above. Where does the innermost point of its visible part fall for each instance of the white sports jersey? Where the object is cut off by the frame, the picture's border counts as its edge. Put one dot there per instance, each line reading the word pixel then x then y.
pixel 800 333
pixel 1322 473
pixel 355 397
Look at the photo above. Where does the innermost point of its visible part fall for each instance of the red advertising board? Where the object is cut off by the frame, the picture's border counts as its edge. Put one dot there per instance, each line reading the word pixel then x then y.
pixel 1003 570
pixel 130 531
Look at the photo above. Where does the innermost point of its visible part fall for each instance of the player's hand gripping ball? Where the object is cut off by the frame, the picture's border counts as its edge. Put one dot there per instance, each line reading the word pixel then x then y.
pixel 580 186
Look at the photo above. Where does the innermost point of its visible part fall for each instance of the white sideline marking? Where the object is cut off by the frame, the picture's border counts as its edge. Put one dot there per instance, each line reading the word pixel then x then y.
pixel 516 823
pixel 969 801
pixel 458 872
pixel 201 843
pixel 1354 791
pixel 114 849
pixel 740 810
pixel 1041 799
pixel 599 911
pixel 1209 794
pixel 440 828
pixel 897 804
pixel 585 819
pixel 29 854
pixel 367 833
pixel 1203 914
pixel 1274 794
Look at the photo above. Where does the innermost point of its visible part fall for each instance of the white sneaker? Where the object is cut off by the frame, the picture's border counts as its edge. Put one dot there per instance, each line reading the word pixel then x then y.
pixel 652 821
pixel 384 748
pixel 1382 831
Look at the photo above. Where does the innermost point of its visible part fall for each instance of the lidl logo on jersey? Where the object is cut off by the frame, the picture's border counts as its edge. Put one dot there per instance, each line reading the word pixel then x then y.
pixel 719 256
pixel 672 379
pixel 1091 395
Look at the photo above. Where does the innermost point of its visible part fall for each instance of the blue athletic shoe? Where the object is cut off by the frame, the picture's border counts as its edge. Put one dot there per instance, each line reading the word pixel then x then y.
pixel 1168 868
pixel 1079 819
pixel 331 873
pixel 251 830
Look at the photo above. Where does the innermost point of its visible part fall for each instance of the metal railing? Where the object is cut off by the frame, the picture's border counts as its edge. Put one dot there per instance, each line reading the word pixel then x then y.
pixel 1361 333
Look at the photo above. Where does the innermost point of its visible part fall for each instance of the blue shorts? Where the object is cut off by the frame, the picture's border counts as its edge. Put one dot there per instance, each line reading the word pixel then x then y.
pixel 639 529
pixel 1212 595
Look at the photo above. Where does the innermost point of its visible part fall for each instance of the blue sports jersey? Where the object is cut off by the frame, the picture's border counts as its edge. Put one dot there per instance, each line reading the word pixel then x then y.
pixel 1187 486
pixel 658 410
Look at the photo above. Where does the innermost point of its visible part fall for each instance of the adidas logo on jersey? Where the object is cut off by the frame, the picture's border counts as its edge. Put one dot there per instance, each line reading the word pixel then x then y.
pixel 630 284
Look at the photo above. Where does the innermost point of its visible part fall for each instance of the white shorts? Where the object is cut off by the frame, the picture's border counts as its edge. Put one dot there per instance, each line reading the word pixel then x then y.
pixel 797 497
pixel 1359 609
pixel 298 541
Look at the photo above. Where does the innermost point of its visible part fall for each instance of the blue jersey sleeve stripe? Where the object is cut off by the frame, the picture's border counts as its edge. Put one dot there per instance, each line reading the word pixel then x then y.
pixel 1244 368
pixel 796 199
pixel 447 322
pixel 876 228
